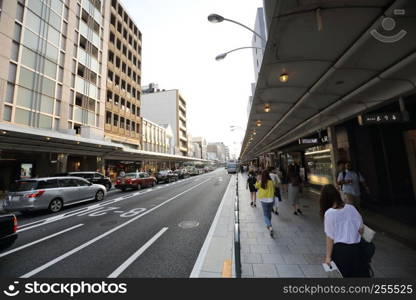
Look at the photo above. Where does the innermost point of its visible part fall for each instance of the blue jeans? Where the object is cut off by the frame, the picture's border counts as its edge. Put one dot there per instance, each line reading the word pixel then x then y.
pixel 267 212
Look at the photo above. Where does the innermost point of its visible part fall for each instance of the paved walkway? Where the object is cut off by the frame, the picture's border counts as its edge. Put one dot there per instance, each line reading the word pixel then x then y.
pixel 298 248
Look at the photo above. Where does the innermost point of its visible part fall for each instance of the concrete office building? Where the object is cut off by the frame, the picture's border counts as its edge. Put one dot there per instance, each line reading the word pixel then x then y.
pixel 156 138
pixel 202 146
pixel 122 115
pixel 260 28
pixel 167 107
pixel 219 149
pixel 53 88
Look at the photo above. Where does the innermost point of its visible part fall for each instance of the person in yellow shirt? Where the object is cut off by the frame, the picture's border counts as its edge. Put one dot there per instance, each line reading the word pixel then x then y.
pixel 265 190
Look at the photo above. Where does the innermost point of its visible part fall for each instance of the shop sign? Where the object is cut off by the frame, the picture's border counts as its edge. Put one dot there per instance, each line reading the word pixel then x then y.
pixel 380 118
pixel 313 141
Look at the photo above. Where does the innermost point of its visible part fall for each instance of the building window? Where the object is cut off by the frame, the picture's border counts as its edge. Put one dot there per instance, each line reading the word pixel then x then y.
pixel 108 117
pixel 7 113
pixel 115 120
pixel 109 96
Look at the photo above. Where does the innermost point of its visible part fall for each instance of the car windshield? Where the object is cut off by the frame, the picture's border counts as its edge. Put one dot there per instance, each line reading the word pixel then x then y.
pixel 163 172
pixel 232 166
pixel 22 186
pixel 132 175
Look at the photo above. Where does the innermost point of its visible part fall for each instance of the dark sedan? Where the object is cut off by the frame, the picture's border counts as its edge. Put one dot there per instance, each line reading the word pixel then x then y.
pixel 166 176
pixel 8 228
pixel 93 177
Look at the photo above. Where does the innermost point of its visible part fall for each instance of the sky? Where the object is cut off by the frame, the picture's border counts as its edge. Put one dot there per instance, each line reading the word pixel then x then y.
pixel 178 52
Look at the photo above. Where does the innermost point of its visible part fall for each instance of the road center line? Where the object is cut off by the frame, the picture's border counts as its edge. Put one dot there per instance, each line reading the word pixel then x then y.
pixel 75 250
pixel 136 255
pixel 40 240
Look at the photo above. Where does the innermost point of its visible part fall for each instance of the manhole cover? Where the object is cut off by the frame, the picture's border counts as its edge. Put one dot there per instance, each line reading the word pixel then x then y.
pixel 188 224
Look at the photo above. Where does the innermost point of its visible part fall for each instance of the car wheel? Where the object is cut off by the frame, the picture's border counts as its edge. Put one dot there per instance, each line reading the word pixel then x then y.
pixel 108 186
pixel 123 189
pixel 99 195
pixel 56 205
pixel 138 187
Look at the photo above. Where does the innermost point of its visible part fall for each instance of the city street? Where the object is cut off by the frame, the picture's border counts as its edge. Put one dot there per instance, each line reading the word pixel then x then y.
pixel 155 232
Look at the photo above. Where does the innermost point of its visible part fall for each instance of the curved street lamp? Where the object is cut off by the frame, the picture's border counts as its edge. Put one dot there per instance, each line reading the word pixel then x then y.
pixel 215 18
pixel 223 55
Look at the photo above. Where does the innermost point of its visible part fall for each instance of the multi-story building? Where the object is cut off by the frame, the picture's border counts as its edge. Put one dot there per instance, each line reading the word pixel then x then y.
pixel 202 147
pixel 167 107
pixel 51 64
pixel 219 150
pixel 156 138
pixel 122 107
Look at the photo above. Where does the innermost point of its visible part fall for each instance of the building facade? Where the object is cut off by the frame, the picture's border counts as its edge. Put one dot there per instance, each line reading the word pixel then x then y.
pixel 167 107
pixel 122 106
pixel 202 147
pixel 156 138
pixel 219 149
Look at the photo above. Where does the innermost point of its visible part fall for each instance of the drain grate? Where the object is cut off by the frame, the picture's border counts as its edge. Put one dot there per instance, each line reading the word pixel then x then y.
pixel 188 224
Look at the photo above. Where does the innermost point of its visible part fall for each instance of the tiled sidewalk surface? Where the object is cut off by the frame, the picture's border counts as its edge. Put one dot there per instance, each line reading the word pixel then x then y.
pixel 298 246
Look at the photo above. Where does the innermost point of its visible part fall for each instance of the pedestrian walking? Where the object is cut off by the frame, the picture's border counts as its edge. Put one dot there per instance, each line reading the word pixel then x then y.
pixel 294 187
pixel 350 181
pixel 265 189
pixel 343 227
pixel 277 197
pixel 251 185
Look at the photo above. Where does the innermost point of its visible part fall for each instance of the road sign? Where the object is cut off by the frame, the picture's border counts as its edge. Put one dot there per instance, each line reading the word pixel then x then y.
pixel 380 118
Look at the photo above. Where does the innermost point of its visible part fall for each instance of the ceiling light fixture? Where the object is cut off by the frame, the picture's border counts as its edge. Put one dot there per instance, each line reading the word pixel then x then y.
pixel 48 138
pixel 267 108
pixel 284 77
pixel 258 123
pixel 4 132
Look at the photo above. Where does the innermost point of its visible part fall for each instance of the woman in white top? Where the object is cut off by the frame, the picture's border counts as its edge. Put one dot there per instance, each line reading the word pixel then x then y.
pixel 343 229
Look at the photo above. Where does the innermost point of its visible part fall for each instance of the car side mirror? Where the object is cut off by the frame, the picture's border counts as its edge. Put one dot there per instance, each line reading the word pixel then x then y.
pixel 89 183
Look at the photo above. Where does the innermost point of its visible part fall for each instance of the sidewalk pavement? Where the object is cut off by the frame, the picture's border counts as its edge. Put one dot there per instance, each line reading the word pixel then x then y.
pixel 298 246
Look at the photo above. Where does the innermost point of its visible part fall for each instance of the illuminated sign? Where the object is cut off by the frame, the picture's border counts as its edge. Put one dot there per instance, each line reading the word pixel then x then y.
pixel 380 118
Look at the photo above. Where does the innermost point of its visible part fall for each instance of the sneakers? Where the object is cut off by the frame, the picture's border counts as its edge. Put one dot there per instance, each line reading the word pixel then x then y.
pixel 295 213
pixel 271 231
pixel 299 211
pixel 251 204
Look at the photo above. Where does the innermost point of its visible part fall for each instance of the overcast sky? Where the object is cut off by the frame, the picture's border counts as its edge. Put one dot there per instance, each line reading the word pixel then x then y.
pixel 178 52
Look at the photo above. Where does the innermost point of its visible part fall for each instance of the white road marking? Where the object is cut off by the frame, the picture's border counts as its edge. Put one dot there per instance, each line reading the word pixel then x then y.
pixel 75 212
pixel 79 248
pixel 136 255
pixel 40 240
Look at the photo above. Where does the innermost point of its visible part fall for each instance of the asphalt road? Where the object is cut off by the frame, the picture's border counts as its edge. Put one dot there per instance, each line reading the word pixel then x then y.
pixel 154 232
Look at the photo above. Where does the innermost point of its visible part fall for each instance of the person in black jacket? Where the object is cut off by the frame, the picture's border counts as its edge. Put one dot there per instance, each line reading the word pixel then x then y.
pixel 251 181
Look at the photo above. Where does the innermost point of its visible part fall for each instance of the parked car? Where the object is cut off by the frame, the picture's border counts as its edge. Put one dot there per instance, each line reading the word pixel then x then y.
pixel 166 176
pixel 8 230
pixel 93 177
pixel 193 171
pixel 182 173
pixel 135 180
pixel 52 193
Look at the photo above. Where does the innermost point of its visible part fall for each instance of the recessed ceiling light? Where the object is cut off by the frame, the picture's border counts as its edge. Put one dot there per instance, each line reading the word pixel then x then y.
pixel 258 123
pixel 4 132
pixel 284 77
pixel 48 138
pixel 267 108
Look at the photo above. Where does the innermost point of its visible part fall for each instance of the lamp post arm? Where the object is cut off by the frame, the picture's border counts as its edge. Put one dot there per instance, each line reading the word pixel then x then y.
pixel 248 28
pixel 236 49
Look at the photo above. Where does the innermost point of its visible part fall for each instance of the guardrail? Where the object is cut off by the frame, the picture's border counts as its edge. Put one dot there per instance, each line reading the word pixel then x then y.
pixel 237 246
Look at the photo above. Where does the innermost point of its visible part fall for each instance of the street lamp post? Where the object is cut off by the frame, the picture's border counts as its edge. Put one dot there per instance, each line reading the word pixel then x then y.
pixel 215 18
pixel 223 55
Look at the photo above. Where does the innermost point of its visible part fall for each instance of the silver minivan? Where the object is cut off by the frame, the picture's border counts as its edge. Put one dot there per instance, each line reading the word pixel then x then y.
pixel 52 193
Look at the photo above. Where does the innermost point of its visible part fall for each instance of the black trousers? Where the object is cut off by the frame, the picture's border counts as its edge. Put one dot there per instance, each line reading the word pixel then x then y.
pixel 349 260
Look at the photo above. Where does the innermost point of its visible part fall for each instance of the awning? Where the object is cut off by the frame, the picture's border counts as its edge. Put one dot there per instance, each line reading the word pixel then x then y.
pixel 337 66
pixel 14 137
